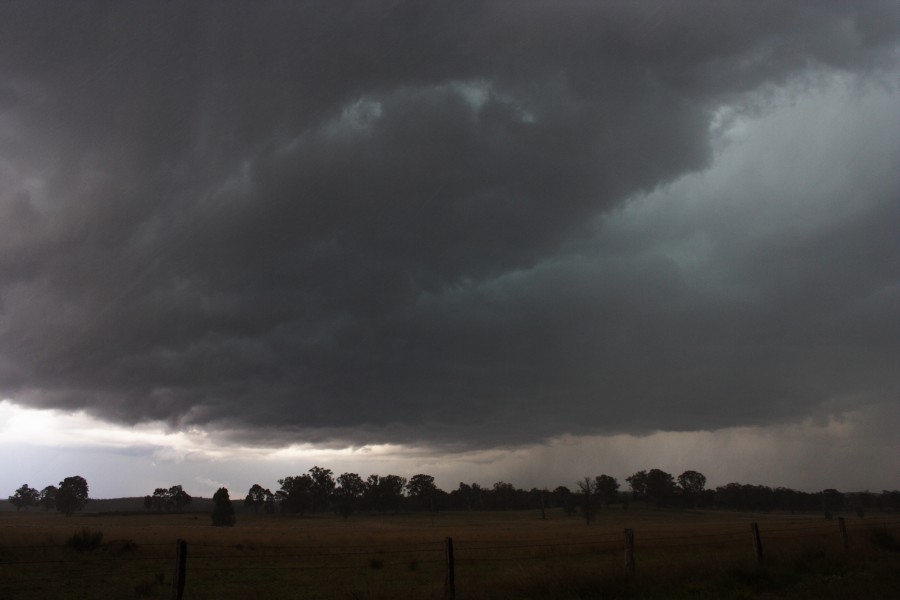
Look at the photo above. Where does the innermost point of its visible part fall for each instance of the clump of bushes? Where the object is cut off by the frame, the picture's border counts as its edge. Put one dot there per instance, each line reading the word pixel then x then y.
pixel 147 589
pixel 120 546
pixel 85 540
pixel 882 536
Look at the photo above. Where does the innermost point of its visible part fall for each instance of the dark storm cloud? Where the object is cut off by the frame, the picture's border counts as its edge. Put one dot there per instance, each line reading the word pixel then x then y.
pixel 362 221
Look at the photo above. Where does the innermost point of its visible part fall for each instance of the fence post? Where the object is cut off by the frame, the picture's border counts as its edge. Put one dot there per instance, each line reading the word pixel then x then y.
pixel 842 525
pixel 180 570
pixel 450 583
pixel 757 542
pixel 629 551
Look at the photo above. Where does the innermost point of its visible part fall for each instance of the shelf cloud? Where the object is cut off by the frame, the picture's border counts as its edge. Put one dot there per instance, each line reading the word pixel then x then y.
pixel 459 226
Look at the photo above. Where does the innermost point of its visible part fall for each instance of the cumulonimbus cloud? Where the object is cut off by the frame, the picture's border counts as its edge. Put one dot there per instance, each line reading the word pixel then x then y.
pixel 380 221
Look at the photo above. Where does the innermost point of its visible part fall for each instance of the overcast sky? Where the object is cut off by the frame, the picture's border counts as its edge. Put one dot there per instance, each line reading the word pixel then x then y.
pixel 527 241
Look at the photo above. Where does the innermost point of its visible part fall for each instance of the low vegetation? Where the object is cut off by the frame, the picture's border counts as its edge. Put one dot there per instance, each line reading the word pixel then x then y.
pixel 679 553
pixel 85 540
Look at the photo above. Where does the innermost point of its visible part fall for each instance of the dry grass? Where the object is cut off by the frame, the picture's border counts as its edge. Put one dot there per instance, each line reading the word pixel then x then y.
pixel 679 554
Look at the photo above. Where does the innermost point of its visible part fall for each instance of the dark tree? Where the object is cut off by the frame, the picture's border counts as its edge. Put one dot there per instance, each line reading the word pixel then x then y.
pixel 606 487
pixel 692 484
pixel 72 495
pixel 295 494
pixel 47 499
pixel 638 483
pixel 25 497
pixel 349 493
pixel 223 511
pixel 730 496
pixel 832 500
pixel 159 500
pixel 503 496
pixel 178 498
pixel 660 487
pixel 371 500
pixel 172 499
pixel 537 498
pixel 259 497
pixel 392 487
pixel 588 499
pixel 562 496
pixel 384 493
pixel 421 490
pixel 322 487
pixel 738 496
pixel 470 496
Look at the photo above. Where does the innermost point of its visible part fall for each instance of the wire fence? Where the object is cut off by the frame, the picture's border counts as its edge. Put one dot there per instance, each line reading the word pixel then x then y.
pixel 124 569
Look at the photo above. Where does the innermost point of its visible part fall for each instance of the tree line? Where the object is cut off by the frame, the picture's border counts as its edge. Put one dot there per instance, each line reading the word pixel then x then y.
pixel 68 497
pixel 319 490
pixel 72 494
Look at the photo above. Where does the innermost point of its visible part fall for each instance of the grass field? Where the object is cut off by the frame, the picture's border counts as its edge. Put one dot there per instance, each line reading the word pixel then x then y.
pixel 678 554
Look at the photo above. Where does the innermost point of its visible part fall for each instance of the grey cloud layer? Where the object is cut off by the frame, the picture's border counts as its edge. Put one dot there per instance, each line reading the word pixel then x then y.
pixel 379 221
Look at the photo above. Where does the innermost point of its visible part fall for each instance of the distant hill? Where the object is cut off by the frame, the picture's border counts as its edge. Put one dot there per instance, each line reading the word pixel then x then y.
pixel 105 505
pixel 129 505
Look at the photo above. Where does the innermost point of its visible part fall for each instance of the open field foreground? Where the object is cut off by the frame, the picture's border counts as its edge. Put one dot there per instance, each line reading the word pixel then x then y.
pixel 678 554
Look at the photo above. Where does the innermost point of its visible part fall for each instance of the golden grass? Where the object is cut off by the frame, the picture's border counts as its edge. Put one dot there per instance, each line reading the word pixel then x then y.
pixel 690 554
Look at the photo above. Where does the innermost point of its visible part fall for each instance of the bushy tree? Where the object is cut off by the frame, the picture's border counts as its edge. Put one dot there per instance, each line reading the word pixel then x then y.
pixel 691 484
pixel 158 499
pixel 322 487
pixel 71 495
pixel 737 496
pixel 47 499
pixel 470 496
pixel 223 511
pixel 606 487
pixel 260 497
pixel 178 498
pixel 295 494
pixel 562 496
pixel 171 499
pixel 503 496
pixel 832 499
pixel 655 485
pixel 588 499
pixel 384 493
pixel 638 483
pixel 25 497
pixel 349 493
pixel 660 487
pixel 421 490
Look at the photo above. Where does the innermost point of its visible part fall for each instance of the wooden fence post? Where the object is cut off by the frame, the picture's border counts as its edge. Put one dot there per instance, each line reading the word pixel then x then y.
pixel 842 525
pixel 757 542
pixel 180 570
pixel 450 583
pixel 629 551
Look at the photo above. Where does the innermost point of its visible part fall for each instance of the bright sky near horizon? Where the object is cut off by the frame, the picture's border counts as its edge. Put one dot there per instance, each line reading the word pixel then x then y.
pixel 527 246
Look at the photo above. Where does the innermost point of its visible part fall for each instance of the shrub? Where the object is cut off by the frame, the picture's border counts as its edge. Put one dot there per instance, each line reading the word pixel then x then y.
pixel 120 546
pixel 85 540
pixel 882 536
